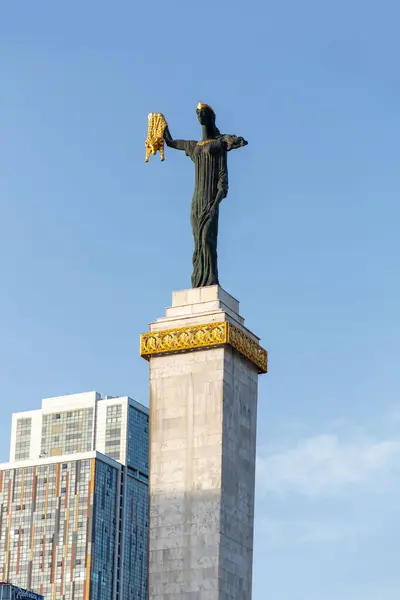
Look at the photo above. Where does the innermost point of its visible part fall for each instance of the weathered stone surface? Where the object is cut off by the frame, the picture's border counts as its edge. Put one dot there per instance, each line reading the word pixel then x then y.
pixel 203 414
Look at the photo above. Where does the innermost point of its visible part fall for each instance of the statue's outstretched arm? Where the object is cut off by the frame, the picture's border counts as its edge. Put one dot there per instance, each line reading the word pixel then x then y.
pixel 171 143
pixel 233 142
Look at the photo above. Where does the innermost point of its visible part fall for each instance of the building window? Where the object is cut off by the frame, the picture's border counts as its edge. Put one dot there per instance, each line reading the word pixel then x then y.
pixel 62 430
pixel 23 439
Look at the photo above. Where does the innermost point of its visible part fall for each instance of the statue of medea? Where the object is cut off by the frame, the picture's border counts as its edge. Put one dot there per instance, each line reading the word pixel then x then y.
pixel 211 183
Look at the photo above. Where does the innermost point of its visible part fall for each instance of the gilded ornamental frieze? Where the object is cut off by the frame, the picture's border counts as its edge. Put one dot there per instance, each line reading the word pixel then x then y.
pixel 196 337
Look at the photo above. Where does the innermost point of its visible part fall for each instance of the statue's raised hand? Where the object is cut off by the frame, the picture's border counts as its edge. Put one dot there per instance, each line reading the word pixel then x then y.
pixel 242 142
pixel 167 134
pixel 233 142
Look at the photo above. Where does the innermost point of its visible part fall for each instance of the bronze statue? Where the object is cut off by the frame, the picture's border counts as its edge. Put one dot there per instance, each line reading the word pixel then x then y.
pixel 211 184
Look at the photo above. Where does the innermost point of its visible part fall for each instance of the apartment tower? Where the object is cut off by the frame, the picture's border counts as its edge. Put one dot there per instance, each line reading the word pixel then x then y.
pixel 74 499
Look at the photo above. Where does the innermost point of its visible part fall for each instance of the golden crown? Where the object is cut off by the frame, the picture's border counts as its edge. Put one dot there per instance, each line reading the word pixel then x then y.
pixel 201 105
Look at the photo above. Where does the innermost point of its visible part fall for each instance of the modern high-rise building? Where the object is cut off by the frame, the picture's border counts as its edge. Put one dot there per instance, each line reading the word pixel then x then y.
pixel 74 499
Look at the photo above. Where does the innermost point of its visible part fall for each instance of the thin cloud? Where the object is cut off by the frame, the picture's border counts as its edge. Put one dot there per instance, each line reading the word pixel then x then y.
pixel 326 465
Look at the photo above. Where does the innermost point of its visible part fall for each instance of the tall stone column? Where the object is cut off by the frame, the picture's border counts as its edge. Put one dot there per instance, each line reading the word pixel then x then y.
pixel 204 367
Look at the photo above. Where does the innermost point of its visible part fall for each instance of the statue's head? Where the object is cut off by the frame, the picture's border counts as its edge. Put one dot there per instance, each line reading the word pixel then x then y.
pixel 206 116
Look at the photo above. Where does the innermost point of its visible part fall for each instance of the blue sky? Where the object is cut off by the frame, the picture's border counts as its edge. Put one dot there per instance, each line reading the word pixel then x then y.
pixel 93 242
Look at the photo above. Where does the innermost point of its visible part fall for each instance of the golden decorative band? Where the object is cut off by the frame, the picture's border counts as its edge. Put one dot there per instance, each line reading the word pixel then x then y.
pixel 204 142
pixel 195 337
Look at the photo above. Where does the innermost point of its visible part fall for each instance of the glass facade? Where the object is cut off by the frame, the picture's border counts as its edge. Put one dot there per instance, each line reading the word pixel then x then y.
pixel 23 439
pixel 78 529
pixel 136 516
pixel 69 432
pixel 113 431
pixel 105 532
pixel 138 440
pixel 135 542
pixel 54 527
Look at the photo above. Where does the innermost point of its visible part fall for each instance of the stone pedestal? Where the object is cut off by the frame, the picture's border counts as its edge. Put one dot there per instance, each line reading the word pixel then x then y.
pixel 204 367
